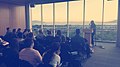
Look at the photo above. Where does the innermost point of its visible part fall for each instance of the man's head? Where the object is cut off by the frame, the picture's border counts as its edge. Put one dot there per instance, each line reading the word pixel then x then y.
pixel 40 31
pixel 14 31
pixel 30 35
pixel 58 32
pixel 48 32
pixel 8 29
pixel 77 31
pixel 29 43
pixel 19 29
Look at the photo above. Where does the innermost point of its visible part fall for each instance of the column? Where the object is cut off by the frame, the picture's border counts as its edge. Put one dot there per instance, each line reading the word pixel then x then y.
pixel 118 26
pixel 27 16
pixel 67 18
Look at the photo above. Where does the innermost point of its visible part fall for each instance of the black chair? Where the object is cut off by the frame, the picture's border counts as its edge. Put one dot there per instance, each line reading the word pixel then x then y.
pixel 75 63
pixel 24 63
pixel 44 65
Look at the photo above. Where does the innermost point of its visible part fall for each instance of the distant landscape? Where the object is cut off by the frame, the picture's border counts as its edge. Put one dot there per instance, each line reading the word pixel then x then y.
pixel 37 22
pixel 109 29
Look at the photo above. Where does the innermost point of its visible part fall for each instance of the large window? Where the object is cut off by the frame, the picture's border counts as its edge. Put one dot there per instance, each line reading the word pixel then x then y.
pixel 94 13
pixel 36 18
pixel 47 17
pixel 75 16
pixel 61 17
pixel 106 21
pixel 110 20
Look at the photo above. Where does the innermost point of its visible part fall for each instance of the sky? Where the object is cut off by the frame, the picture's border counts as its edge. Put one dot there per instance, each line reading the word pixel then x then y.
pixel 93 11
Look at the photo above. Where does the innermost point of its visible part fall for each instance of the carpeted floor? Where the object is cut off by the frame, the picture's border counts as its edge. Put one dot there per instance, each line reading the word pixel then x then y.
pixel 108 57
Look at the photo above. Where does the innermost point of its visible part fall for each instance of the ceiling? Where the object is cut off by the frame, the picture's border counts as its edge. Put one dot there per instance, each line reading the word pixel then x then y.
pixel 23 2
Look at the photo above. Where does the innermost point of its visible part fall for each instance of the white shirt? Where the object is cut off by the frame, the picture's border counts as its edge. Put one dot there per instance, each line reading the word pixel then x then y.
pixel 55 60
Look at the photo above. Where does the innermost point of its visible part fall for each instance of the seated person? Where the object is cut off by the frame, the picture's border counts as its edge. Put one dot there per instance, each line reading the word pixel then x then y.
pixel 11 54
pixel 40 37
pixel 52 56
pixel 49 39
pixel 59 37
pixel 77 42
pixel 29 54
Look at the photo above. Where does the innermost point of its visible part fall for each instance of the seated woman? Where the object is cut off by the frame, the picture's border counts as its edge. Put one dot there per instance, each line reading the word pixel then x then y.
pixel 29 54
pixel 52 57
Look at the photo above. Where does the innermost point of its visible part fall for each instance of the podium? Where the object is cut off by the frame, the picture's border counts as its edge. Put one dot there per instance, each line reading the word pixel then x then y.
pixel 87 33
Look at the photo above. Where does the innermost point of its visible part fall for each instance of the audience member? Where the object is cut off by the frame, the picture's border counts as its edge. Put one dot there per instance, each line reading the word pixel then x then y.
pixel 52 56
pixel 77 42
pixel 20 37
pixel 19 31
pixel 49 39
pixel 30 36
pixel 25 32
pixel 7 30
pixel 59 37
pixel 25 50
pixel 11 54
pixel 6 36
pixel 29 54
pixel 9 37
pixel 41 38
pixel 14 33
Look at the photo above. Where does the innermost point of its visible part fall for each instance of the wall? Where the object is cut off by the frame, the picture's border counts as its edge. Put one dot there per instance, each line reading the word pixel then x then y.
pixel 12 16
